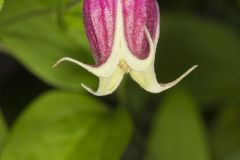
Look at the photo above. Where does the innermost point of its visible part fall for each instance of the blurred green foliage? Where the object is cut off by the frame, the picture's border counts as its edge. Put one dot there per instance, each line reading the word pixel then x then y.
pixel 1 4
pixel 187 40
pixel 46 42
pixel 225 134
pixel 197 121
pixel 69 126
pixel 178 131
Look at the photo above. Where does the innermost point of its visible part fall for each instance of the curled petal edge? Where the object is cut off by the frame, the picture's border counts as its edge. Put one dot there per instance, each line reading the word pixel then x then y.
pixel 107 85
pixel 147 79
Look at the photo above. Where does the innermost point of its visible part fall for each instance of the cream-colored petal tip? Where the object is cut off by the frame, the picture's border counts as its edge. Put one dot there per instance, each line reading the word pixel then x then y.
pixel 68 59
pixel 97 71
pixel 99 92
pixel 107 85
pixel 58 62
pixel 157 88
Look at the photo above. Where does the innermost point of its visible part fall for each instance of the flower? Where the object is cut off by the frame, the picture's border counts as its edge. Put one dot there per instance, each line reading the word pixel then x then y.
pixel 123 35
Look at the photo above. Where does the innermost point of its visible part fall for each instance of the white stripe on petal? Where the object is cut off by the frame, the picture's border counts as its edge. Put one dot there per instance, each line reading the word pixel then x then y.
pixel 140 64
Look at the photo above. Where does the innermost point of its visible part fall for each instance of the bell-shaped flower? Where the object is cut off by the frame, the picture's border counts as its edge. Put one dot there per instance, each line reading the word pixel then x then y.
pixel 123 35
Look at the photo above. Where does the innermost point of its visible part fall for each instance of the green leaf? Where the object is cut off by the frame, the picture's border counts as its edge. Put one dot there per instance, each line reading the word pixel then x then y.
pixel 3 130
pixel 225 134
pixel 64 126
pixel 1 4
pixel 72 21
pixel 177 132
pixel 187 40
pixel 33 36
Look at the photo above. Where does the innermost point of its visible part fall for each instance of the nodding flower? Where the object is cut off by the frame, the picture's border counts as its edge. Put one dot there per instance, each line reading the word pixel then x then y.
pixel 123 35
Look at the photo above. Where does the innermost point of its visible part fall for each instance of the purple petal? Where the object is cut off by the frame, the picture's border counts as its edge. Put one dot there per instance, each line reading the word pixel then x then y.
pixel 99 19
pixel 137 14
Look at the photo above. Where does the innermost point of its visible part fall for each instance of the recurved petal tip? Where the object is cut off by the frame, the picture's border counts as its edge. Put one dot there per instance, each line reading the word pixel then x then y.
pixel 96 93
pixel 104 70
pixel 148 80
pixel 166 86
pixel 57 63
